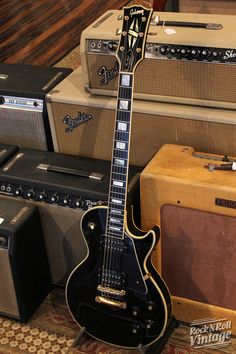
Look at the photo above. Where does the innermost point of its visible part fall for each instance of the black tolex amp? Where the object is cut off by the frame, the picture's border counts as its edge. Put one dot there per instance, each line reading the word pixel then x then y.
pixel 6 152
pixel 23 112
pixel 63 187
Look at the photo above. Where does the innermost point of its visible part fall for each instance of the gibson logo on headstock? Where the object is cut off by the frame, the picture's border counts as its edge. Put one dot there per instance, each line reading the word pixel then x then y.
pixel 72 123
pixel 136 12
pixel 108 74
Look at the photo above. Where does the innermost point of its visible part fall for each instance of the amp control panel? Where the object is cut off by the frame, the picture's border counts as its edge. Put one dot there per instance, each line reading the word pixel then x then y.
pixel 169 51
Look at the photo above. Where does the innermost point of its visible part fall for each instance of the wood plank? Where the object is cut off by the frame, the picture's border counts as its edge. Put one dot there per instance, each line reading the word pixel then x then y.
pixel 42 32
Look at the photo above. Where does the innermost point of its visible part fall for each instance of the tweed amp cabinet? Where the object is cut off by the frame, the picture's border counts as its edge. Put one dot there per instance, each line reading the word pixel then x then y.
pixel 82 124
pixel 194 205
pixel 25 276
pixel 189 58
pixel 23 113
pixel 63 187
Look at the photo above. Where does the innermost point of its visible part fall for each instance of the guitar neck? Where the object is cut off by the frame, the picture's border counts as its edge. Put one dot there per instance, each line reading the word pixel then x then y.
pixel 120 157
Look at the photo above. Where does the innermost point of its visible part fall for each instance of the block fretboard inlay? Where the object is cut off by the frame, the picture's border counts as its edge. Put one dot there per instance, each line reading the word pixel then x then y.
pixel 120 158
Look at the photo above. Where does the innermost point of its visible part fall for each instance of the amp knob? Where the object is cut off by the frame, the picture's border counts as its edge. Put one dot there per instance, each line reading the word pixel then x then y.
pixel 2 241
pixel 55 198
pixel 193 52
pixel 43 196
pixel 173 50
pixel 66 201
pixel 79 202
pixel 19 191
pixel 204 52
pixel 215 54
pixel 163 50
pixel 30 193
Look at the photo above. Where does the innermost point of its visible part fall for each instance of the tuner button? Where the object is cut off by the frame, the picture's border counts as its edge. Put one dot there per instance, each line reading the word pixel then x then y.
pixel 19 191
pixel 30 193
pixel 43 196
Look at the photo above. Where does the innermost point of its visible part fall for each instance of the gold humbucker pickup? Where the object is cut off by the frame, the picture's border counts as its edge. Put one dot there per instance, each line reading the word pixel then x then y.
pixel 112 291
pixel 110 302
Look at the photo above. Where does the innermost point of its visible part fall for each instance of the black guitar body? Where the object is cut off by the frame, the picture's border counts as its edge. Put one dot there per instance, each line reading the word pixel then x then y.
pixel 120 300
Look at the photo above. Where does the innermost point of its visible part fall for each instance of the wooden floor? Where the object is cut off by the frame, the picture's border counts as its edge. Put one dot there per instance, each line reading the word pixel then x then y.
pixel 44 31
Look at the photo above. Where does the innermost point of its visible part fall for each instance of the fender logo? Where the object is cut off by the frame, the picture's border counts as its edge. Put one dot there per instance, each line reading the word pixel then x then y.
pixel 106 74
pixel 72 123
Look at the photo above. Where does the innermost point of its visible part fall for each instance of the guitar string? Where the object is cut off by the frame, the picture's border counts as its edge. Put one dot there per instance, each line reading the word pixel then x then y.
pixel 110 256
pixel 112 260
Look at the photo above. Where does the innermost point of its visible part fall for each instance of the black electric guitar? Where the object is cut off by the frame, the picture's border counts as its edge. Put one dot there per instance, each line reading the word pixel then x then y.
pixel 116 293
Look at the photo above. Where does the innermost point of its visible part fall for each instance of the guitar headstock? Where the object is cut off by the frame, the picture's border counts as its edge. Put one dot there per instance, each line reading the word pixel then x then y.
pixel 131 48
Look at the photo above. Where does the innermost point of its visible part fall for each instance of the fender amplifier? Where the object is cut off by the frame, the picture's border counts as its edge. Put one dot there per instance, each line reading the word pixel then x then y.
pixel 195 207
pixel 63 187
pixel 25 276
pixel 189 58
pixel 82 124
pixel 23 113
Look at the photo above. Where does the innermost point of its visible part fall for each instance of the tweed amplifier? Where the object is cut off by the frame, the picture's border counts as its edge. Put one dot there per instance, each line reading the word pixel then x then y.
pixel 62 187
pixel 25 276
pixel 190 58
pixel 194 204
pixel 82 124
pixel 23 113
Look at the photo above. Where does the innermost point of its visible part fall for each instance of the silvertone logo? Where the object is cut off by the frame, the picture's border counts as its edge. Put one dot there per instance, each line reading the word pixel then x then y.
pixel 229 54
pixel 108 74
pixel 72 123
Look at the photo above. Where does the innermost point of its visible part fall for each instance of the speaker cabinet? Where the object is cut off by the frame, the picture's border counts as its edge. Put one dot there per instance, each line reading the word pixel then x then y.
pixel 195 208
pixel 187 64
pixel 24 271
pixel 153 124
pixel 23 113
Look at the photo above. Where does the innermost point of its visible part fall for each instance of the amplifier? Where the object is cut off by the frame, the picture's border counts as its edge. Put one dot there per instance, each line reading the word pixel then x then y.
pixel 23 113
pixel 82 124
pixel 189 58
pixel 7 151
pixel 25 276
pixel 62 197
pixel 194 204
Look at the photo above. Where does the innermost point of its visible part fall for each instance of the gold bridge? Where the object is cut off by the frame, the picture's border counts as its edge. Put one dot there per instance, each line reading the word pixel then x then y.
pixel 110 302
pixel 112 291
